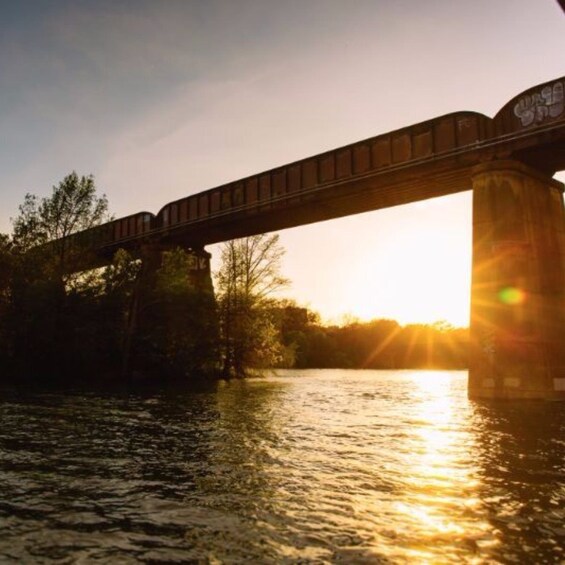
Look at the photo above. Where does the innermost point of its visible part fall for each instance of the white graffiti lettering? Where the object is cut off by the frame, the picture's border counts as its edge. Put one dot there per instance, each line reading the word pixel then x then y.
pixel 539 106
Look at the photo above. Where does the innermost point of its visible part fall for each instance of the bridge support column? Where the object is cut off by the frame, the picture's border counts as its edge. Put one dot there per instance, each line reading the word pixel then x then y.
pixel 172 323
pixel 199 273
pixel 518 284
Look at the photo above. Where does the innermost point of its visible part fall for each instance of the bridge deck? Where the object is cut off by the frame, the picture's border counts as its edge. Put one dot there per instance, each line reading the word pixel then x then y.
pixel 429 159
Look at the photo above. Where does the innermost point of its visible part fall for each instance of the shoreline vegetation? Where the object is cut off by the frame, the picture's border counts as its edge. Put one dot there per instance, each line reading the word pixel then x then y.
pixel 127 323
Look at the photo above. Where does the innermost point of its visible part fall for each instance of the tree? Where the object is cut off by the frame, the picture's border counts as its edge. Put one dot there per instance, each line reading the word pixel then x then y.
pixel 6 262
pixel 248 279
pixel 48 310
pixel 6 265
pixel 46 224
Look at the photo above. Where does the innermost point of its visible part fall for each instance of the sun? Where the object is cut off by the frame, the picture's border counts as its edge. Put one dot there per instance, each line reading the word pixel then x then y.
pixel 409 263
pixel 423 275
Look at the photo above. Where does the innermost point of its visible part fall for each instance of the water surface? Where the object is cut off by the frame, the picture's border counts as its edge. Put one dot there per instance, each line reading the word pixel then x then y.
pixel 304 466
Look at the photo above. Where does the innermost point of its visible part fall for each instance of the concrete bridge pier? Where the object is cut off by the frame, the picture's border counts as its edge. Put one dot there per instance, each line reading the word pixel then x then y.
pixel 198 272
pixel 145 303
pixel 518 284
pixel 156 327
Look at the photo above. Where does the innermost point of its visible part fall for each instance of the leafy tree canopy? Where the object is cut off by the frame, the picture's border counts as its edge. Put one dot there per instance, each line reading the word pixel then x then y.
pixel 251 268
pixel 72 207
pixel 247 281
pixel 5 260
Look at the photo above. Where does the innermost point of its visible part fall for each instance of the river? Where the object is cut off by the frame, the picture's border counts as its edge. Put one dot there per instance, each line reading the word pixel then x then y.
pixel 297 467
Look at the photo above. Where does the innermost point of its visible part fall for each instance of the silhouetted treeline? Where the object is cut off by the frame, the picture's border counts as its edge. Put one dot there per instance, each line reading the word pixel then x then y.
pixel 59 322
pixel 107 324
pixel 379 344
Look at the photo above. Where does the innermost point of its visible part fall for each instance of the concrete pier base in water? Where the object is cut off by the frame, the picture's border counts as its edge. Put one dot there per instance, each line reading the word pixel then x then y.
pixel 518 284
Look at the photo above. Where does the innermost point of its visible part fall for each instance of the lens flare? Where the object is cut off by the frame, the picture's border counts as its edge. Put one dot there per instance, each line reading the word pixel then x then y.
pixel 511 295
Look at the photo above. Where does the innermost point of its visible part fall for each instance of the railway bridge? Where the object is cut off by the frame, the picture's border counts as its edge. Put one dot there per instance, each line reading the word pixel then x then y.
pixel 518 275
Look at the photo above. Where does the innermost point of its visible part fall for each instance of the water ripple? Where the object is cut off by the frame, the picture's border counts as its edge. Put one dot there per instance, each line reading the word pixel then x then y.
pixel 301 467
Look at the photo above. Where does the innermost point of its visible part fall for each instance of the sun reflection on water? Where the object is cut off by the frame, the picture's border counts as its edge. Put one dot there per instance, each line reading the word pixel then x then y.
pixel 441 502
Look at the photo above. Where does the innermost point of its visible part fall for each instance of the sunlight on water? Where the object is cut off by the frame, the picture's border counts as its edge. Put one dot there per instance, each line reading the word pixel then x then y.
pixel 309 466
pixel 441 495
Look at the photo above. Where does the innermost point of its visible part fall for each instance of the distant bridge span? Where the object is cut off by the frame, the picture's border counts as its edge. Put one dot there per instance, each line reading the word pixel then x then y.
pixel 518 221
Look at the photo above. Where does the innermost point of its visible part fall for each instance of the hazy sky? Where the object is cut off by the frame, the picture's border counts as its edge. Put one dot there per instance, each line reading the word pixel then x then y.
pixel 161 99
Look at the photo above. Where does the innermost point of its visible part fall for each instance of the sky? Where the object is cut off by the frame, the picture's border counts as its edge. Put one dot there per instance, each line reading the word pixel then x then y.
pixel 162 99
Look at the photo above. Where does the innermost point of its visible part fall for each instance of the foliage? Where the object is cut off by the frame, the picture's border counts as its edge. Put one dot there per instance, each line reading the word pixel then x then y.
pixel 43 225
pixel 73 332
pixel 248 279
pixel 73 206
pixel 114 306
pixel 119 277
pixel 378 344
pixel 179 330
pixel 59 321
pixel 6 261
pixel 6 267
pixel 53 321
